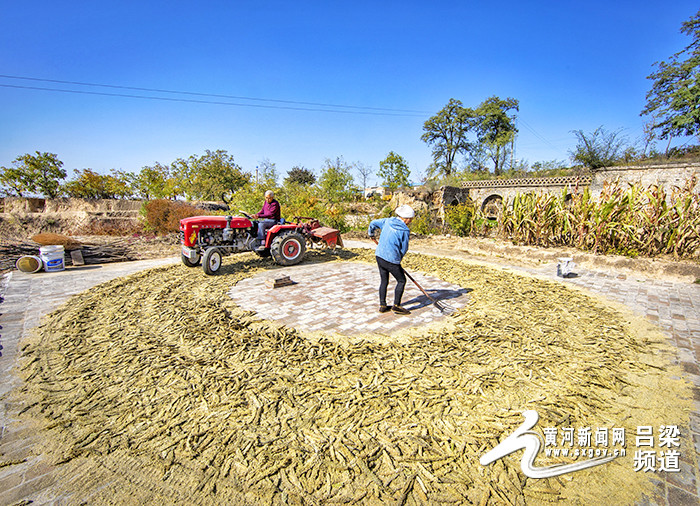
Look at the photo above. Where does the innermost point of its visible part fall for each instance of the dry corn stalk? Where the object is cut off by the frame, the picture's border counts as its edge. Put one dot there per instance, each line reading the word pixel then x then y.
pixel 204 402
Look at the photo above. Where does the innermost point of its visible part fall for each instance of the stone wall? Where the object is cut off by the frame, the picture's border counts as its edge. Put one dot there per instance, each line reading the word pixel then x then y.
pixel 68 205
pixel 450 196
pixel 489 194
pixel 69 215
pixel 668 176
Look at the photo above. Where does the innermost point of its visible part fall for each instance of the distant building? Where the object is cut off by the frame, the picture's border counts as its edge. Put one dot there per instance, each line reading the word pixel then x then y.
pixel 376 190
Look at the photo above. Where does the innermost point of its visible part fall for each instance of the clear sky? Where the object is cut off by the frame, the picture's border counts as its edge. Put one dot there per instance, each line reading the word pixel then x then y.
pixel 572 65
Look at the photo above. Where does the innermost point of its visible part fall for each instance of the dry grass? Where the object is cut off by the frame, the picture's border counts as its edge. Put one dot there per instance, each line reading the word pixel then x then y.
pixel 157 388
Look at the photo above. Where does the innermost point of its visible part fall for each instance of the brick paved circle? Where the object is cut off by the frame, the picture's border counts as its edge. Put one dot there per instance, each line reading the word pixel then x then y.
pixel 342 297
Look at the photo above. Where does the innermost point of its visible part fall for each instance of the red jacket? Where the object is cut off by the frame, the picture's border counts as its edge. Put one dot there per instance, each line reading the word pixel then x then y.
pixel 270 211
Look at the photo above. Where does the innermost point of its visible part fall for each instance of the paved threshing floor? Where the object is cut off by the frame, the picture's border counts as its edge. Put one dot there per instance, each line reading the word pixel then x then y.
pixel 675 307
pixel 343 298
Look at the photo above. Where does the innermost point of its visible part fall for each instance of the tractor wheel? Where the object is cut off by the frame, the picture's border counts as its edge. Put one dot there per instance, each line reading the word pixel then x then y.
pixel 288 249
pixel 211 261
pixel 188 262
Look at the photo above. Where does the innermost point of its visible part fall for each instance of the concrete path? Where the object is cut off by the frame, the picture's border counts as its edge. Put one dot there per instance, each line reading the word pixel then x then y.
pixel 675 307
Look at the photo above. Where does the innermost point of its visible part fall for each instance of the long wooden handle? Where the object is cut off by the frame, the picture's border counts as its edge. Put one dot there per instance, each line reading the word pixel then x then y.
pixel 419 287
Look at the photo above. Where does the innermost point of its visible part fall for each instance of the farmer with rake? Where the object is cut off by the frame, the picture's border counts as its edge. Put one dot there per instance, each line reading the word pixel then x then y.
pixel 391 248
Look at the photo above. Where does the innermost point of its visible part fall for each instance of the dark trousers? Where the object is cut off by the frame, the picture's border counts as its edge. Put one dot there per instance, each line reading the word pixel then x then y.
pixel 386 268
pixel 263 227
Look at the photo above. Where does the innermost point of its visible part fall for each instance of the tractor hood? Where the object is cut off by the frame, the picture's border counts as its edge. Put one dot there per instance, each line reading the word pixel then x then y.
pixel 190 227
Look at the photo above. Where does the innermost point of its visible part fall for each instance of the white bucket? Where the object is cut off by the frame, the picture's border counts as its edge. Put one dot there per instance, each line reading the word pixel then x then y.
pixel 565 267
pixel 29 263
pixel 52 256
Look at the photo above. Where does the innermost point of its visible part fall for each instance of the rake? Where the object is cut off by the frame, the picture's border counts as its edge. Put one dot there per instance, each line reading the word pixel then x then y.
pixel 445 309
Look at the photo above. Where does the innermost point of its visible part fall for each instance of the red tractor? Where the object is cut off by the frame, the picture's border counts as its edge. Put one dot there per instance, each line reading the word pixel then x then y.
pixel 206 239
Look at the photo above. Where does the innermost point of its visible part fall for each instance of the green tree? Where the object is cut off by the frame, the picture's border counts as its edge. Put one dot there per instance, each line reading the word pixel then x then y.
pixel 267 174
pixel 300 176
pixel 496 129
pixel 446 133
pixel 40 173
pixel 89 184
pixel 394 171
pixel 155 182
pixel 14 180
pixel 120 184
pixel 674 98
pixel 598 149
pixel 336 181
pixel 208 176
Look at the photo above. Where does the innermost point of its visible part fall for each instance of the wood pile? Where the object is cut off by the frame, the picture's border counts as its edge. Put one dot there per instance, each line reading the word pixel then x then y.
pixel 92 253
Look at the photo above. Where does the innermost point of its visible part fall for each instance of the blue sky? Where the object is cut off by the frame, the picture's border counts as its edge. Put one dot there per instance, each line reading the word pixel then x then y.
pixel 572 65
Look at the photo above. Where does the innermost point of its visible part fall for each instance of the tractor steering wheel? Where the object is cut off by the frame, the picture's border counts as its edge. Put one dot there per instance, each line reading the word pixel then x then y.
pixel 246 215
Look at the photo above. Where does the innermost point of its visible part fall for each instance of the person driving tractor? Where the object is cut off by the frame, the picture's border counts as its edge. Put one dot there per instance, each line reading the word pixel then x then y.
pixel 269 215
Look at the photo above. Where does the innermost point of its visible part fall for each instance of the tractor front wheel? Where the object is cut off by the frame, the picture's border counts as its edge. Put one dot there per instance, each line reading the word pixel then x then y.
pixel 211 261
pixel 288 249
pixel 189 263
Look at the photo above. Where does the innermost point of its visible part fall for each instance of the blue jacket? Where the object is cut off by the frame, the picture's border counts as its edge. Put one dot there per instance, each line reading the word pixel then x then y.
pixel 393 243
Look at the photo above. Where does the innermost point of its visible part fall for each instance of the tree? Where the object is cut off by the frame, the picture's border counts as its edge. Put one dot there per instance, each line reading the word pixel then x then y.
pixel 394 171
pixel 599 148
pixel 675 93
pixel 300 176
pixel 89 184
pixel 208 176
pixel 120 184
pixel 365 171
pixel 155 182
pixel 649 135
pixel 40 173
pixel 336 180
pixel 267 174
pixel 447 133
pixel 496 129
pixel 14 180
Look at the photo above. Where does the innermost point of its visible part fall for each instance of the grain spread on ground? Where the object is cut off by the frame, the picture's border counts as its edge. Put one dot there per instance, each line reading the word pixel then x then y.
pixel 158 388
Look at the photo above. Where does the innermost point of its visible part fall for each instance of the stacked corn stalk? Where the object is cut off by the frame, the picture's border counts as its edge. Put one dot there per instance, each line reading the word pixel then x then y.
pixel 157 388
pixel 631 221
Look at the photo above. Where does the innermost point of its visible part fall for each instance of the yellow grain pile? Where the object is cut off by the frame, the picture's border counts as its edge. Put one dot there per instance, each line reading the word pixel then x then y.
pixel 156 387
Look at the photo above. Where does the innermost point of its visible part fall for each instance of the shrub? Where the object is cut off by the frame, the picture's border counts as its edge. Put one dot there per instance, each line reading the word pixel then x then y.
pixel 461 218
pixel 425 223
pixel 110 227
pixel 163 216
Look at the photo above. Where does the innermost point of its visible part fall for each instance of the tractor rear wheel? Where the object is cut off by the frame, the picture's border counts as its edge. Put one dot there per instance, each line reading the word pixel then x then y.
pixel 288 249
pixel 211 261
